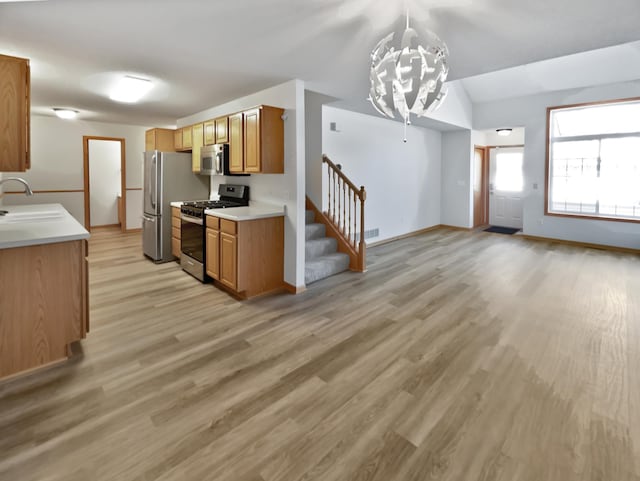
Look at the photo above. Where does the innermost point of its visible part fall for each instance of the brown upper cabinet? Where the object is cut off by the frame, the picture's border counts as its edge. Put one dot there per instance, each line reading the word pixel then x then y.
pixel 209 132
pixel 159 139
pixel 222 130
pixel 216 131
pixel 256 141
pixel 187 137
pixel 183 138
pixel 14 114
pixel 177 139
pixel 197 141
pixel 236 144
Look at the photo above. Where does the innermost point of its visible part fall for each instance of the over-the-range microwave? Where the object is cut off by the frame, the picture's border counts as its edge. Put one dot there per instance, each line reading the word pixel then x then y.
pixel 214 160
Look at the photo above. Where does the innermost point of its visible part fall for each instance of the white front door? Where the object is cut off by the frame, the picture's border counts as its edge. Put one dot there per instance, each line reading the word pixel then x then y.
pixel 505 187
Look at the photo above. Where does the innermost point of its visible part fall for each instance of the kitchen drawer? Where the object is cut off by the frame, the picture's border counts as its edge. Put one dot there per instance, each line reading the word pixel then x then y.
pixel 228 226
pixel 175 232
pixel 175 223
pixel 175 212
pixel 213 222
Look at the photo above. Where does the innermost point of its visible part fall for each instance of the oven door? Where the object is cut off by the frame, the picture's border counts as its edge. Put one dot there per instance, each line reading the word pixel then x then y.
pixel 192 237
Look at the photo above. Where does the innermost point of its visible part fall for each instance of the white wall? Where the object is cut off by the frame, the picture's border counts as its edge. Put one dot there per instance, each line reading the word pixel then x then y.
pixel 402 180
pixel 313 103
pixel 456 109
pixel 104 181
pixel 281 189
pixel 457 199
pixel 57 163
pixel 530 112
pixel 491 137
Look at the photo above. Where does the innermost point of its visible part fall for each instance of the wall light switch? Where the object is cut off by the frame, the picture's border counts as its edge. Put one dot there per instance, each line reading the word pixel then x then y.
pixel 535 186
pixel 333 127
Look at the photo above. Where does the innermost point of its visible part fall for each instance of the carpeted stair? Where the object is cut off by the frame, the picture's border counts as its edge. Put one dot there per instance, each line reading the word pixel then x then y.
pixel 322 258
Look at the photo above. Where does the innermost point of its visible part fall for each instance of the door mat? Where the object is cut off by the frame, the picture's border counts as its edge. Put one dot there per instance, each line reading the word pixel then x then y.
pixel 501 230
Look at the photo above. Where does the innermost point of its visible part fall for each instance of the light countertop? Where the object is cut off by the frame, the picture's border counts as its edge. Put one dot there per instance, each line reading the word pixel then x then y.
pixel 253 211
pixel 176 204
pixel 27 225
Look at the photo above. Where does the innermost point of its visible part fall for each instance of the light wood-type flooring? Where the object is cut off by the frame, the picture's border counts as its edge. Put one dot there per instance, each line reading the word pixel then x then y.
pixel 457 356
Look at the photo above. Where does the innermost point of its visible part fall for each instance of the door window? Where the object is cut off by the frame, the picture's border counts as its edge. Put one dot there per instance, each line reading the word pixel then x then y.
pixel 509 171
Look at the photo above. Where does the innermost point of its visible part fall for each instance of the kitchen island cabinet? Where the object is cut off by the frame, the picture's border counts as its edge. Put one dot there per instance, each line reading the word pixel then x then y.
pixel 14 114
pixel 246 256
pixel 43 287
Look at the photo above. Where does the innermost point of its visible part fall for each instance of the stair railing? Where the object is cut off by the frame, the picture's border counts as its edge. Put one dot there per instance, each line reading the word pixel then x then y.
pixel 345 210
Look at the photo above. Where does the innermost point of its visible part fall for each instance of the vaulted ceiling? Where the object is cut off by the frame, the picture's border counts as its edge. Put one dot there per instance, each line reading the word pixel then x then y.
pixel 202 53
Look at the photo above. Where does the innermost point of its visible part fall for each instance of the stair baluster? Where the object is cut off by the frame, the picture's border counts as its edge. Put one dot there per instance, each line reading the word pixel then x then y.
pixel 344 205
pixel 329 189
pixel 349 222
pixel 339 198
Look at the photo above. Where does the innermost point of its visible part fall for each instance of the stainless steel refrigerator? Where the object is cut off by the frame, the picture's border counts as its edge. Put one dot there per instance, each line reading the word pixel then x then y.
pixel 167 178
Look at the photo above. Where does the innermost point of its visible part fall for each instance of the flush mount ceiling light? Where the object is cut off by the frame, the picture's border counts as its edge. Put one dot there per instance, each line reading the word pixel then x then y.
pixel 130 89
pixel 408 80
pixel 504 132
pixel 65 113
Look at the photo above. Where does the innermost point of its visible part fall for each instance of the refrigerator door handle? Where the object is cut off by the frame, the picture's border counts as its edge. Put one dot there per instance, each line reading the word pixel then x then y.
pixel 153 186
pixel 148 219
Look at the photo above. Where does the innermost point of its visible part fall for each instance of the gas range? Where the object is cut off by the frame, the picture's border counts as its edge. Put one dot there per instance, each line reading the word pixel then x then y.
pixel 193 227
pixel 230 196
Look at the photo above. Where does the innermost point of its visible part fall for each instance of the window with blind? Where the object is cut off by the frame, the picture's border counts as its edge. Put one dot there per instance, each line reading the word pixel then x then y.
pixel 593 165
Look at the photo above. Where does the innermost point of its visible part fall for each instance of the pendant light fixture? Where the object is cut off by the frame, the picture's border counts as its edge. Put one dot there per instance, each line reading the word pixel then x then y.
pixel 408 80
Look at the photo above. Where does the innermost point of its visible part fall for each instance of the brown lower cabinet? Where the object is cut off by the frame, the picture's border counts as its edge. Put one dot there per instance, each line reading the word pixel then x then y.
pixel 246 257
pixel 175 231
pixel 45 304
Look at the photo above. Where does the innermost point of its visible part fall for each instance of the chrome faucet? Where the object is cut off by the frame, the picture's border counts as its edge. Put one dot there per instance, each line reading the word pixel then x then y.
pixel 27 189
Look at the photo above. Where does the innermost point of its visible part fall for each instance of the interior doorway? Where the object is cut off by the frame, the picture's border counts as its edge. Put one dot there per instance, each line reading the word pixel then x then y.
pixel 104 182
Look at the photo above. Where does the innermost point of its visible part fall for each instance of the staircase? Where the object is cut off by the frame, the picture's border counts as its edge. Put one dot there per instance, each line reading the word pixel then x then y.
pixel 322 258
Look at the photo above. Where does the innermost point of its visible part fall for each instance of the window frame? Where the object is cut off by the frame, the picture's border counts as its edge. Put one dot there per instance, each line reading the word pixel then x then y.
pixel 575 215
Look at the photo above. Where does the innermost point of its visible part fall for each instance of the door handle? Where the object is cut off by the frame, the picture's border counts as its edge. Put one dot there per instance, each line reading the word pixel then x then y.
pixel 155 182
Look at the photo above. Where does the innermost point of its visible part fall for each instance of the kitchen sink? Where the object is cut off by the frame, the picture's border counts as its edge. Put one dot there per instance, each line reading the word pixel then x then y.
pixel 6 216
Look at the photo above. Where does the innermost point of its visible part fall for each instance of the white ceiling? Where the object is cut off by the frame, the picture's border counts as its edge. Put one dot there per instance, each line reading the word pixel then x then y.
pixel 620 63
pixel 203 53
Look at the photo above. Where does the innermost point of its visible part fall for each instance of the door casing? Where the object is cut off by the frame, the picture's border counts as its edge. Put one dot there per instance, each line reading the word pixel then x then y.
pixel 123 180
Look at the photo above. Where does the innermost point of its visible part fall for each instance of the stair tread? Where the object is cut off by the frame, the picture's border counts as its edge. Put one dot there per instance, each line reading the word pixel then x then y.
pixel 319 240
pixel 319 247
pixel 328 257
pixel 325 266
